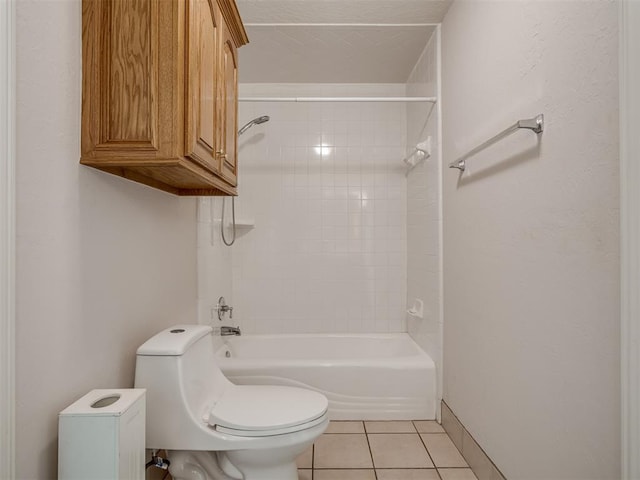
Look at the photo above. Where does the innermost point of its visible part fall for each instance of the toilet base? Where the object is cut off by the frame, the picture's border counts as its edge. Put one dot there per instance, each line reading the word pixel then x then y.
pixel 194 465
pixel 270 464
pixel 277 461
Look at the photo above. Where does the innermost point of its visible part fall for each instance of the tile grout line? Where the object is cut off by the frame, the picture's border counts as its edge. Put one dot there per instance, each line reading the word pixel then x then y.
pixel 366 435
pixel 428 452
pixel 389 468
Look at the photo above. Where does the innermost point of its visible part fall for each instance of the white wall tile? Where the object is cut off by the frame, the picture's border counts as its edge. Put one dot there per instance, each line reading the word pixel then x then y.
pixel 325 185
pixel 335 217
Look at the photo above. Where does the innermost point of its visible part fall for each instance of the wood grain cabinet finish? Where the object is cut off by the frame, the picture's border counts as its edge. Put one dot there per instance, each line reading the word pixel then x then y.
pixel 228 81
pixel 159 92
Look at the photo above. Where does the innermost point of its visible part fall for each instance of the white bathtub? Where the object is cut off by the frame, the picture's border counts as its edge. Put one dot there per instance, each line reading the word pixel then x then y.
pixel 364 376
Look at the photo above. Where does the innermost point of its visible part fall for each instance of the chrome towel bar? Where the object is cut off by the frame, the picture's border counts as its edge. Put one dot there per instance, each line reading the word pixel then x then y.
pixel 535 124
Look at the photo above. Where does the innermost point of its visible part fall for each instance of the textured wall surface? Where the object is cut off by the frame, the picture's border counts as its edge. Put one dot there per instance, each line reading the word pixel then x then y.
pixel 102 263
pixel 424 210
pixel 531 256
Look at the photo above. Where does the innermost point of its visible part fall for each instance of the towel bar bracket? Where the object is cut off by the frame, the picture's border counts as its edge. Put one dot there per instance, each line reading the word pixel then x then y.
pixel 536 124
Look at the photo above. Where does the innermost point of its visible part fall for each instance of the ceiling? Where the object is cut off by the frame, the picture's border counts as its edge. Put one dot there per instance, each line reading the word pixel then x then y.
pixel 307 41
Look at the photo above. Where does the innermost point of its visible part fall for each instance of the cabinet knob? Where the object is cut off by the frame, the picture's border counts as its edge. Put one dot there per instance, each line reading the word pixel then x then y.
pixel 220 153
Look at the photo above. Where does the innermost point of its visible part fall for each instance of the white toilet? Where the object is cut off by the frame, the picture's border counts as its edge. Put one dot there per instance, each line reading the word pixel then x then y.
pixel 213 429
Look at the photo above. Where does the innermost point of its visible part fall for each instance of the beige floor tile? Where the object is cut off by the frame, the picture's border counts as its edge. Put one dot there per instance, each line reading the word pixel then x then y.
pixel 305 459
pixel 345 427
pixel 408 474
pixel 456 474
pixel 389 427
pixel 350 474
pixel 342 450
pixel 305 474
pixel 442 450
pixel 398 450
pixel 428 426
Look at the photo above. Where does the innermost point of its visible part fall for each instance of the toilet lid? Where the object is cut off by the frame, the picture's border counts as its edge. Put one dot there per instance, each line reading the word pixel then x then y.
pixel 261 410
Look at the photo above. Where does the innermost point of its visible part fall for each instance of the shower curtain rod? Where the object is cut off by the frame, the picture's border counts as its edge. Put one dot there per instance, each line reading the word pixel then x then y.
pixel 337 99
pixel 376 25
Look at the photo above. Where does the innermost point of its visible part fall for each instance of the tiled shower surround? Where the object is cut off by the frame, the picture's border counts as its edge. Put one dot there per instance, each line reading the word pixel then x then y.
pixel 325 185
pixel 327 217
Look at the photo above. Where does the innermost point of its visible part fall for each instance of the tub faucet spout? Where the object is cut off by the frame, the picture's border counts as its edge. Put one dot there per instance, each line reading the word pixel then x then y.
pixel 225 331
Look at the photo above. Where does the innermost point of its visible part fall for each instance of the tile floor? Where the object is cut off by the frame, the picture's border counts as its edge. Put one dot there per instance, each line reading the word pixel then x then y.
pixel 389 450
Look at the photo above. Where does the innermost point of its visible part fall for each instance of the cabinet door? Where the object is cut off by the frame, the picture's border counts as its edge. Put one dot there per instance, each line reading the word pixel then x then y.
pixel 228 98
pixel 203 35
pixel 124 70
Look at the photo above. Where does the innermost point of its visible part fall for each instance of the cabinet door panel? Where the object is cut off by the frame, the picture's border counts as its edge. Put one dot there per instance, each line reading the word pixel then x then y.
pixel 125 80
pixel 203 35
pixel 229 107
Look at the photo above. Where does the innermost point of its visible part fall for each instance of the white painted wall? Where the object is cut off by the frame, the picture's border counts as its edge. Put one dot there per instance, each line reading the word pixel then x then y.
pixel 7 237
pixel 327 253
pixel 102 263
pixel 424 210
pixel 531 255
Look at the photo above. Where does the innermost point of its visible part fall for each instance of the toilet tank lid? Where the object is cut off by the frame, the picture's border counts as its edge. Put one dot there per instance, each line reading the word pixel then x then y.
pixel 174 341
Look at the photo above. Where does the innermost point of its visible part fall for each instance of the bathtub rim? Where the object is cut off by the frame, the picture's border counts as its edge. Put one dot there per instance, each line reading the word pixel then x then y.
pixel 416 356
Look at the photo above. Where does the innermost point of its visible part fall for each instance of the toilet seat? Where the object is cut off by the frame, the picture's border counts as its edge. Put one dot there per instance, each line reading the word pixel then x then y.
pixel 264 410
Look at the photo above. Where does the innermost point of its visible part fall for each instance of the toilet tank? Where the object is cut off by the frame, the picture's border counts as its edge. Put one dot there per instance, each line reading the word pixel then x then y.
pixel 177 367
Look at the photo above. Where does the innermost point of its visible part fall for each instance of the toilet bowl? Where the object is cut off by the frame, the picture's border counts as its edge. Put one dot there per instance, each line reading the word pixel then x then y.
pixel 214 429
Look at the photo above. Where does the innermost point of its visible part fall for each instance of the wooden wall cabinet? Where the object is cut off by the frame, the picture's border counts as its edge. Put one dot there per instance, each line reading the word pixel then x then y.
pixel 159 92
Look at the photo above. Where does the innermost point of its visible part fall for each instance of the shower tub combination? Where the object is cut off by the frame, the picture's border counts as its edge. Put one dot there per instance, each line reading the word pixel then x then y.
pixel 364 376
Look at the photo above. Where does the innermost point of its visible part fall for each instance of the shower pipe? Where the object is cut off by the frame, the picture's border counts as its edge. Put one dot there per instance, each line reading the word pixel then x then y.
pixel 247 126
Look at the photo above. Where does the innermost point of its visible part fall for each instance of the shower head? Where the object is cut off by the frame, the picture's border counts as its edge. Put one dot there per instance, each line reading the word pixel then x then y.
pixel 255 121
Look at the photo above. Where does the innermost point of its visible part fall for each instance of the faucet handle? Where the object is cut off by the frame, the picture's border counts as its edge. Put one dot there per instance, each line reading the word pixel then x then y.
pixel 223 308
